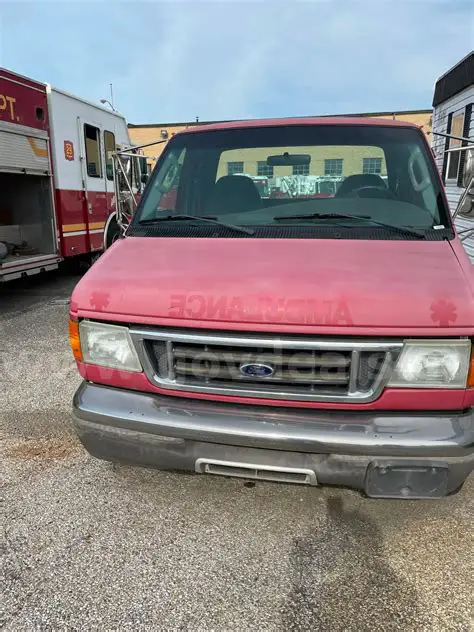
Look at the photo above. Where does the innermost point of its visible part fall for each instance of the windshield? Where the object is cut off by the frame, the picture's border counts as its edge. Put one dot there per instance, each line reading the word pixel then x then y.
pixel 280 179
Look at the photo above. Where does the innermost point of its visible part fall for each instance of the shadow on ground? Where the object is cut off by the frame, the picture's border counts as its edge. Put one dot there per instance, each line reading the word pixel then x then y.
pixel 340 579
pixel 22 295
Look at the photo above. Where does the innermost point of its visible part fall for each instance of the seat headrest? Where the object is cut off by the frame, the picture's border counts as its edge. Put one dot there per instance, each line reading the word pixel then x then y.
pixel 359 180
pixel 233 194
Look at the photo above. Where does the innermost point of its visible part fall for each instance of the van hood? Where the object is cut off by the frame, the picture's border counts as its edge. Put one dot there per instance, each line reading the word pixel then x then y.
pixel 328 283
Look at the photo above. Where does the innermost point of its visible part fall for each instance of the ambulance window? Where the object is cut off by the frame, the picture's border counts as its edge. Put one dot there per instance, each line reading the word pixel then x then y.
pixel 92 137
pixel 109 144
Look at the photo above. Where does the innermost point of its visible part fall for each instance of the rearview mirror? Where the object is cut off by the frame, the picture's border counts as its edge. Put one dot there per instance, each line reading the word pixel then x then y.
pixel 144 178
pixel 288 160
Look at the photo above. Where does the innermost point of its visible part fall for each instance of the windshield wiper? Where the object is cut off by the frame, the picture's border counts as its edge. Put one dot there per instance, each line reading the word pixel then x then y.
pixel 365 218
pixel 180 218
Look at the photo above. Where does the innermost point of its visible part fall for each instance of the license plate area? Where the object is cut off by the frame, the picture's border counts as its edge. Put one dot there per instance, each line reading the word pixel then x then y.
pixel 406 480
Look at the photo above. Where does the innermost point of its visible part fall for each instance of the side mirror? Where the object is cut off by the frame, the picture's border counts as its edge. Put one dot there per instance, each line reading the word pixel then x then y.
pixel 143 164
pixel 466 202
pixel 144 178
pixel 468 171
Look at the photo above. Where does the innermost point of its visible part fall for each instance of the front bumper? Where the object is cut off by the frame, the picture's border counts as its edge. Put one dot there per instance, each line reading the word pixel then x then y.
pixel 388 454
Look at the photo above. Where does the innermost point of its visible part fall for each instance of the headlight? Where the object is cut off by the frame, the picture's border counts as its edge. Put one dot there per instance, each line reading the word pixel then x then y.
pixel 432 364
pixel 108 345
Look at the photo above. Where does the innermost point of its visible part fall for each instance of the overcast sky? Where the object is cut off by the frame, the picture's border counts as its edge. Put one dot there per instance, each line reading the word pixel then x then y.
pixel 174 60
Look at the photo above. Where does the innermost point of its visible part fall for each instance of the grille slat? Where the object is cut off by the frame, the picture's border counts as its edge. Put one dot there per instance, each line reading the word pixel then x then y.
pixel 295 359
pixel 222 372
pixel 303 368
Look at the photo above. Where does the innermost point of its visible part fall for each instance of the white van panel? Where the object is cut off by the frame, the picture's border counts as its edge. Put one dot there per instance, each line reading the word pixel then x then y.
pixel 68 114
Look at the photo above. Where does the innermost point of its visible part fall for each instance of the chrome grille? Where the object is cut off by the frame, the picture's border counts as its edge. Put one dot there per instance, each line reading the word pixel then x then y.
pixel 302 368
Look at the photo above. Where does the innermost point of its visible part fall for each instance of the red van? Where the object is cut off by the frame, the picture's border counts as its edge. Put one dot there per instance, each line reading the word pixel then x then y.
pixel 296 339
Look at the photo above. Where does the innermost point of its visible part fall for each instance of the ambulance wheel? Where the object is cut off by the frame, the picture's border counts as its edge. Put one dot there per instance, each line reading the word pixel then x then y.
pixel 113 233
pixel 86 261
pixel 94 257
pixel 75 265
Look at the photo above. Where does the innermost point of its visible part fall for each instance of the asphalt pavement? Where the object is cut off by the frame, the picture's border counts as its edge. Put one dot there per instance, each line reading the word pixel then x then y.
pixel 91 546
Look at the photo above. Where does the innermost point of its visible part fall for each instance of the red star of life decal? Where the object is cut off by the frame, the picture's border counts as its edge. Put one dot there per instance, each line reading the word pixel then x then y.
pixel 99 300
pixel 443 312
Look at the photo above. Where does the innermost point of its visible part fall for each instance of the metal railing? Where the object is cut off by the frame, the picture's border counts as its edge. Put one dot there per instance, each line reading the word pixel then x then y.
pixel 126 163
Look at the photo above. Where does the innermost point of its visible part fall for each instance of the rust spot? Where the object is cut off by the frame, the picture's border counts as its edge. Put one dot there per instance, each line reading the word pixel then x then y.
pixel 48 449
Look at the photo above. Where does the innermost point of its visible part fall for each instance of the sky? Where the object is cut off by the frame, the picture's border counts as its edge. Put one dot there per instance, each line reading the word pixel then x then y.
pixel 176 60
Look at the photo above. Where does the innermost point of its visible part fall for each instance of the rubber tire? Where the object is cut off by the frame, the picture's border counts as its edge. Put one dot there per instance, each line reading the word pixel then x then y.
pixel 113 233
pixel 455 491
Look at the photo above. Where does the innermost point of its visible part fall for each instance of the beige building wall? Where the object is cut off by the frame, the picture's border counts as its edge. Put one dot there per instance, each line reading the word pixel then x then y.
pixel 142 134
pixel 422 118
pixel 352 157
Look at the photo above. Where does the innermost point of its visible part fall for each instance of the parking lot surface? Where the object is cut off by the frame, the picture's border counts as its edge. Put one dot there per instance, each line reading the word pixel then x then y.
pixel 88 546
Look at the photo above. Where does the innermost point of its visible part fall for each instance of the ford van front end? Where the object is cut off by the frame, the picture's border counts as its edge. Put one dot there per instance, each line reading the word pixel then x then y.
pixel 320 341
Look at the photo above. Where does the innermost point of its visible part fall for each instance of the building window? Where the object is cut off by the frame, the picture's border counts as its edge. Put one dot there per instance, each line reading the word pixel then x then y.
pixel 109 147
pixel 92 138
pixel 372 165
pixel 234 167
pixel 457 126
pixel 264 170
pixel 301 170
pixel 333 167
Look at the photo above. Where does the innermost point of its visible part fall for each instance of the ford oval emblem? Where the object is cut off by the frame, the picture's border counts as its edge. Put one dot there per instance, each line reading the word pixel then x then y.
pixel 256 370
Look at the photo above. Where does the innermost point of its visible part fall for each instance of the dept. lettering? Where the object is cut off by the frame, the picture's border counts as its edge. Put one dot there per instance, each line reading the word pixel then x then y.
pixel 7 105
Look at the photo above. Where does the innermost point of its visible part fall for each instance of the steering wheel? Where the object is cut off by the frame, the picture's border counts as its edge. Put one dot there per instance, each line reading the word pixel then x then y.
pixel 372 192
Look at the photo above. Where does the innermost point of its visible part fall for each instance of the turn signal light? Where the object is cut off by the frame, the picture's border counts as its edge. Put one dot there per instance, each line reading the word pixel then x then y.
pixel 74 340
pixel 470 377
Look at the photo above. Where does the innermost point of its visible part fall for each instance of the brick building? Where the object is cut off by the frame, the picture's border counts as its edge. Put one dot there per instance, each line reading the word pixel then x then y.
pixel 331 161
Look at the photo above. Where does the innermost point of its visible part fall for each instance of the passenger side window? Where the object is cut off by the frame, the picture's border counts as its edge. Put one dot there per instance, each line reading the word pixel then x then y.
pixel 163 194
pixel 92 141
pixel 109 145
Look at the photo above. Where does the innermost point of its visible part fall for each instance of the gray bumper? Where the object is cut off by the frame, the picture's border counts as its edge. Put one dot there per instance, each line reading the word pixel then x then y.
pixel 340 447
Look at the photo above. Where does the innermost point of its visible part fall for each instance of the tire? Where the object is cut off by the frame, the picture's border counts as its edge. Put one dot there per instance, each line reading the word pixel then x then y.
pixel 113 233
pixel 455 491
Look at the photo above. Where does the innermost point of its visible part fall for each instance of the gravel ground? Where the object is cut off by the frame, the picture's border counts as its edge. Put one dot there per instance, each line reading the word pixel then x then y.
pixel 88 546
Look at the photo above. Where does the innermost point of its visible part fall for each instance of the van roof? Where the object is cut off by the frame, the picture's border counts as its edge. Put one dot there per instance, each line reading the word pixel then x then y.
pixel 281 122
